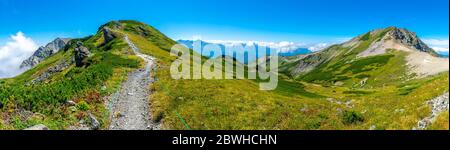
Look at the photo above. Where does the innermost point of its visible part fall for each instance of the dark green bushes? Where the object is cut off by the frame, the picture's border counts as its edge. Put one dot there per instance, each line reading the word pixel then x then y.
pixel 368 64
pixel 366 36
pixel 352 117
pixel 77 81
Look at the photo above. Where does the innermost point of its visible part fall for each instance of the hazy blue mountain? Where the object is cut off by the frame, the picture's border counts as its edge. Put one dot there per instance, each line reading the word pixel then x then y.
pixel 190 43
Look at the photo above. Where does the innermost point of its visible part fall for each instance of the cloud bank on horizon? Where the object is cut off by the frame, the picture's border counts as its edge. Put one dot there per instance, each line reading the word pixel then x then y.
pixel 282 47
pixel 12 53
pixel 441 46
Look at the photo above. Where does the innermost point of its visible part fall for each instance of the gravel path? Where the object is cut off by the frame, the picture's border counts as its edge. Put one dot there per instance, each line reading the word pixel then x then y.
pixel 129 107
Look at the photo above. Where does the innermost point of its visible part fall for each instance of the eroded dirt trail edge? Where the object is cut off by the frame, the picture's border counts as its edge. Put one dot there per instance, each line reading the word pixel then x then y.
pixel 129 107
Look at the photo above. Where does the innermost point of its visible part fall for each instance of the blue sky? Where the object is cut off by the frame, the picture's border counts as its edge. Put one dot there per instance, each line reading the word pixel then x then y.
pixel 277 20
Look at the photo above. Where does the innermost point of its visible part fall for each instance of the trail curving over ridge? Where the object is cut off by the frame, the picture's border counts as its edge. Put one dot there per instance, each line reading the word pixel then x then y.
pixel 130 107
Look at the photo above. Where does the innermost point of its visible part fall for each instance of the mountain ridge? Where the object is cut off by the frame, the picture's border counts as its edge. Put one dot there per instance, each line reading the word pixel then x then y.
pixel 44 51
pixel 401 44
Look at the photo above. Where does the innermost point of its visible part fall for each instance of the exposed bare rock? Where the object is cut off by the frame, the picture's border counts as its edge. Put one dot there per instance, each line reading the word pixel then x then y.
pixel 409 39
pixel 421 59
pixel 423 64
pixel 438 105
pixel 108 35
pixel 44 52
pixel 95 125
pixel 398 39
pixel 308 63
pixel 81 53
pixel 38 127
pixel 71 103
pixel 50 71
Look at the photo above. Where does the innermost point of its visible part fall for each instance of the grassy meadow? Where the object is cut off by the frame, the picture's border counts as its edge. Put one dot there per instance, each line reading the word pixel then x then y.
pixel 389 100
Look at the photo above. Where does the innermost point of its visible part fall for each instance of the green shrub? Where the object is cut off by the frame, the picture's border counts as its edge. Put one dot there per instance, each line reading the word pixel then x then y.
pixel 365 37
pixel 357 92
pixel 79 80
pixel 352 117
pixel 368 64
pixel 405 90
pixel 83 106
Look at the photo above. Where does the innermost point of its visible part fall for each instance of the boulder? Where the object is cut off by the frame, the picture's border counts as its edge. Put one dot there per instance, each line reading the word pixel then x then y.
pixel 95 125
pixel 71 103
pixel 108 35
pixel 81 53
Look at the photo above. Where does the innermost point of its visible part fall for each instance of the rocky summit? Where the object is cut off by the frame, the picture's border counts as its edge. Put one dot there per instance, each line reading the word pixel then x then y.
pixel 45 51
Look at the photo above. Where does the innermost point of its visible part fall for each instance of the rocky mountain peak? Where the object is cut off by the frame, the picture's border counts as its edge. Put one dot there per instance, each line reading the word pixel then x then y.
pixel 408 38
pixel 45 51
pixel 390 38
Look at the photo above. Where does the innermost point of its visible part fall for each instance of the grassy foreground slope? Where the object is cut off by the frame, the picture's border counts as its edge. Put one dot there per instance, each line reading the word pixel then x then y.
pixel 215 104
pixel 238 104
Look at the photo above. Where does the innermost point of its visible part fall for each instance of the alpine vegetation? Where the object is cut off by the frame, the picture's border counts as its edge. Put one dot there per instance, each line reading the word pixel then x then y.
pixel 222 67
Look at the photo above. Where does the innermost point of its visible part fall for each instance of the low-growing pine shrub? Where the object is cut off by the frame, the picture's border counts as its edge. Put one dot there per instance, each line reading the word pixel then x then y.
pixel 83 106
pixel 352 117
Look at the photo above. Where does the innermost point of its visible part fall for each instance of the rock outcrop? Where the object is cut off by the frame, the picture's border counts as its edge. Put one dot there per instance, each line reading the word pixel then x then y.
pixel 50 71
pixel 438 105
pixel 95 125
pixel 308 63
pixel 409 39
pixel 38 127
pixel 81 53
pixel 44 52
pixel 395 38
pixel 108 35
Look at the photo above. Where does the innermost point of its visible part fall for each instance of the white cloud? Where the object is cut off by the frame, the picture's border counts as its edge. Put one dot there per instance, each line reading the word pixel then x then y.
pixel 440 45
pixel 440 49
pixel 18 48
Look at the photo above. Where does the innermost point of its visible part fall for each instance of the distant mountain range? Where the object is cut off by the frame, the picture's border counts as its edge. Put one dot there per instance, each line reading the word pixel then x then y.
pixel 284 53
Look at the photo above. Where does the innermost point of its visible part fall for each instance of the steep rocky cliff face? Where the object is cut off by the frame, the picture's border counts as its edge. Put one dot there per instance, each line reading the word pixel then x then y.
pixel 393 38
pixel 410 39
pixel 44 52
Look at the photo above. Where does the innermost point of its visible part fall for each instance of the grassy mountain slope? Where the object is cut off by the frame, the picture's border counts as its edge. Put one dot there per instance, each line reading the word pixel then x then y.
pixel 368 58
pixel 237 104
